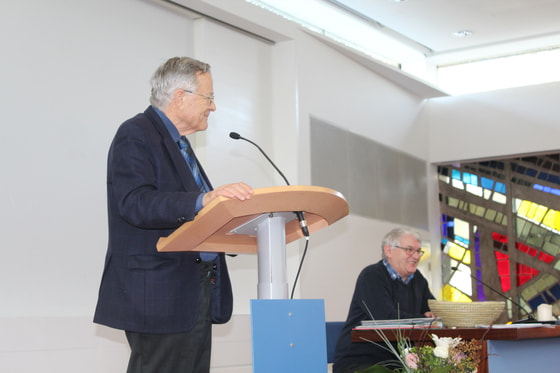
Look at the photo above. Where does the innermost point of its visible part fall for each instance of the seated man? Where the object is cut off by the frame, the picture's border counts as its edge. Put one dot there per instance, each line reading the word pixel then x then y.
pixel 389 289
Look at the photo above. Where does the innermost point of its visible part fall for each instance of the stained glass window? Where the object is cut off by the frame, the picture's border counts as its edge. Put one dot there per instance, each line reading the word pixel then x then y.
pixel 501 232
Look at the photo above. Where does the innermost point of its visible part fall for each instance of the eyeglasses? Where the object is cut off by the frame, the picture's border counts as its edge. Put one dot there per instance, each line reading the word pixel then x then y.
pixel 209 98
pixel 410 251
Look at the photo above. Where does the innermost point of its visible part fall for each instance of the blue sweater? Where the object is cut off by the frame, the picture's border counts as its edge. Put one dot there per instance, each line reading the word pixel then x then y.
pixel 386 299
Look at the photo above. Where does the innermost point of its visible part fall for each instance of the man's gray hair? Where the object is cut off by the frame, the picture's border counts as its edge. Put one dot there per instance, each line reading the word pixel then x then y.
pixel 393 238
pixel 175 73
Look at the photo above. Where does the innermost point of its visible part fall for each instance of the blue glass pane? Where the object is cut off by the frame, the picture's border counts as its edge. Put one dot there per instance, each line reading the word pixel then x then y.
pixel 555 290
pixel 456 174
pixel 548 298
pixel 479 287
pixel 547 189
pixel 500 188
pixel 474 180
pixel 470 179
pixel 543 176
pixel 487 183
pixel 534 303
pixel 462 240
pixel 554 179
pixel 531 172
pixel 494 164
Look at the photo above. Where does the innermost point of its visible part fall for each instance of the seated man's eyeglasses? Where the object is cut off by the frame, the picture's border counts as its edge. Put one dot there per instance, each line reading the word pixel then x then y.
pixel 411 251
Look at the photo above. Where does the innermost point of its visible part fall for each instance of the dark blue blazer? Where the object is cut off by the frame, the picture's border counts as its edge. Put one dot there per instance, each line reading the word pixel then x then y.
pixel 151 192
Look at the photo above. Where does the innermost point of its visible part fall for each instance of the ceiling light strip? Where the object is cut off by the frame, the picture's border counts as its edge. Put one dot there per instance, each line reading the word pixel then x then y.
pixel 229 25
pixel 412 43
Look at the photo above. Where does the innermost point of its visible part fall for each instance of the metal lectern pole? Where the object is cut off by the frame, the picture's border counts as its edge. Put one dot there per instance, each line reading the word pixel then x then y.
pixel 271 247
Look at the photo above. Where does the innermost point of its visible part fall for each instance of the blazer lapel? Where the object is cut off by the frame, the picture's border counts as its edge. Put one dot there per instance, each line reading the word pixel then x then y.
pixel 183 170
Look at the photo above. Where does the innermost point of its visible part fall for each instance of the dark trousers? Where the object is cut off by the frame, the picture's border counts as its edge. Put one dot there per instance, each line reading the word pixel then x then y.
pixel 177 353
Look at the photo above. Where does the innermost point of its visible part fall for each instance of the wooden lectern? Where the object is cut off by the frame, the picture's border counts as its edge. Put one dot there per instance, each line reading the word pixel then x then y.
pixel 263 224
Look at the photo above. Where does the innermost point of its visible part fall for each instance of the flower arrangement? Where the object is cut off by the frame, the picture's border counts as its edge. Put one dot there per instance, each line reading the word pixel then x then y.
pixel 448 355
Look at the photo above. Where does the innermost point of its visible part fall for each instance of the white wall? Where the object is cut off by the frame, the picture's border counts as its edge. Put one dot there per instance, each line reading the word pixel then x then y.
pixel 346 94
pixel 73 71
pixel 494 124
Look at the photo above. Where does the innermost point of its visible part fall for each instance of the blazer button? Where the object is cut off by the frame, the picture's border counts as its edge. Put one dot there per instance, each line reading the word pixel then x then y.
pixel 198 260
pixel 215 266
pixel 182 219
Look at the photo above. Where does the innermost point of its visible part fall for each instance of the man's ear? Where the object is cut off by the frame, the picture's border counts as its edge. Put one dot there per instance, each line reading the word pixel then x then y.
pixel 387 251
pixel 178 97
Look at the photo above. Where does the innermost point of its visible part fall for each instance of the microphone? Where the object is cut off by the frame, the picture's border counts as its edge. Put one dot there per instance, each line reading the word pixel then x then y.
pixel 299 214
pixel 529 319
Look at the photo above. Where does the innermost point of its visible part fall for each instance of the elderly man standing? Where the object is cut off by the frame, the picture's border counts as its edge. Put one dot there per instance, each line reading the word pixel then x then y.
pixel 165 302
pixel 389 289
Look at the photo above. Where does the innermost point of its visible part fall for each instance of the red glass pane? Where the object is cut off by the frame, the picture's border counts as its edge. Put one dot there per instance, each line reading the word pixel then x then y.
pixel 545 257
pixel 499 237
pixel 534 253
pixel 524 273
pixel 522 247
pixel 501 256
pixel 502 266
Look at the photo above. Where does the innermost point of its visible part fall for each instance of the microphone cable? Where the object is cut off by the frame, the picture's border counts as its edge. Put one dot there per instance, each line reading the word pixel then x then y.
pixel 299 214
pixel 530 317
pixel 300 265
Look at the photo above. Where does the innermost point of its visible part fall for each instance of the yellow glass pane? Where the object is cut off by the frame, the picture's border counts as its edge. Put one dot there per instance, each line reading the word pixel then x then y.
pixel 540 212
pixel 550 219
pixel 557 221
pixel 490 214
pixel 456 252
pixel 532 210
pixel 452 294
pixel 467 258
pixel 523 208
pixel 459 253
pixel 453 202
pixel 480 211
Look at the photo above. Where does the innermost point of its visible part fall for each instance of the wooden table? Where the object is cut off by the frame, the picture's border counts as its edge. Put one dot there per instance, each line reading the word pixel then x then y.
pixel 422 335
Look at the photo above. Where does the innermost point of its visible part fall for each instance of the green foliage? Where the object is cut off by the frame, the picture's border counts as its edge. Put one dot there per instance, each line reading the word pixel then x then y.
pixel 450 355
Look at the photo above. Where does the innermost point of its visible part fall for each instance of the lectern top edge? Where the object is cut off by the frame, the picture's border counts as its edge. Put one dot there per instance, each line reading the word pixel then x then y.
pixel 215 223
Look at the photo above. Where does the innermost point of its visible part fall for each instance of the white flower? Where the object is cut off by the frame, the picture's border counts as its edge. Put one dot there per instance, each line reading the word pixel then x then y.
pixel 442 352
pixel 443 345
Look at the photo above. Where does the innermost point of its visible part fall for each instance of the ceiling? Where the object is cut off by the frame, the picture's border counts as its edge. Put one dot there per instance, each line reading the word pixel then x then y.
pixel 431 23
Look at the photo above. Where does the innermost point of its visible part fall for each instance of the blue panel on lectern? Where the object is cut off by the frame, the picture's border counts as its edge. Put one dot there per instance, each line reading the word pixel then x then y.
pixel 288 335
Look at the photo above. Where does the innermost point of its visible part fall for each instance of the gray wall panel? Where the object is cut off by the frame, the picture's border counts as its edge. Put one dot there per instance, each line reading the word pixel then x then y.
pixel 379 182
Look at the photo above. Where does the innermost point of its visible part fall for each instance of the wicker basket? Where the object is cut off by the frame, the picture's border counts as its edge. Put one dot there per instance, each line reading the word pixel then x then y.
pixel 466 314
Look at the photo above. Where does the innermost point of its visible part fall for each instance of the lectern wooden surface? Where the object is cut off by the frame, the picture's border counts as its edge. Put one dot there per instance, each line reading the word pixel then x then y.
pixel 214 226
